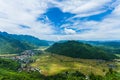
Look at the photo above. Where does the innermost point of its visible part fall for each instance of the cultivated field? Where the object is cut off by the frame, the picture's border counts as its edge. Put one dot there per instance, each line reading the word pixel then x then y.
pixel 51 64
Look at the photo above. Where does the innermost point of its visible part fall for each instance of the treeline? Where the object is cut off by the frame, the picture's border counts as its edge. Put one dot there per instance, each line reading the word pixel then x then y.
pixel 9 64
pixel 79 50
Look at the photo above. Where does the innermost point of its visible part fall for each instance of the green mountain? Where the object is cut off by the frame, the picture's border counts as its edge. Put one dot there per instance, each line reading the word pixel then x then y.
pixel 11 43
pixel 114 44
pixel 31 40
pixel 109 46
pixel 79 50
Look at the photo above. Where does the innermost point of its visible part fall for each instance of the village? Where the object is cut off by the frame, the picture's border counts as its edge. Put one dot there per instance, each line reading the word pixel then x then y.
pixel 24 58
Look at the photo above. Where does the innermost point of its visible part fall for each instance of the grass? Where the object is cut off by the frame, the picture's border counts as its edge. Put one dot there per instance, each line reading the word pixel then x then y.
pixel 7 55
pixel 118 55
pixel 118 63
pixel 42 48
pixel 51 64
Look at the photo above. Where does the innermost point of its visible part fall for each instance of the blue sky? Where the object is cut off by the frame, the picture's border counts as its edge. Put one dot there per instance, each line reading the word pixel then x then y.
pixel 62 19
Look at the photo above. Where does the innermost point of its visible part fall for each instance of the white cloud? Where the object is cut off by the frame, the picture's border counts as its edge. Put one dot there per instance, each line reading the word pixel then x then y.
pixel 84 7
pixel 69 31
pixel 107 29
pixel 25 12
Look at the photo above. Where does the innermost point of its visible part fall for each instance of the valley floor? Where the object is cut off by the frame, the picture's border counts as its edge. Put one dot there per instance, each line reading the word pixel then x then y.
pixel 51 64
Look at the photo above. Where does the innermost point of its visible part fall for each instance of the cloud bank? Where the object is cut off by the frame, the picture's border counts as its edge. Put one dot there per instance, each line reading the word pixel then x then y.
pixel 62 19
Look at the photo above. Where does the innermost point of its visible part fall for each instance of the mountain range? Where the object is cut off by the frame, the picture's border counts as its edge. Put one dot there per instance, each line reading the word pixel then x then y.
pixel 12 43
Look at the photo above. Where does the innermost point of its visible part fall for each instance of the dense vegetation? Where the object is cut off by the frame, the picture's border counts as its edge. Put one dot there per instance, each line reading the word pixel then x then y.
pixel 114 44
pixel 31 40
pixel 111 75
pixel 17 43
pixel 62 76
pixel 9 71
pixel 109 46
pixel 9 64
pixel 11 45
pixel 79 50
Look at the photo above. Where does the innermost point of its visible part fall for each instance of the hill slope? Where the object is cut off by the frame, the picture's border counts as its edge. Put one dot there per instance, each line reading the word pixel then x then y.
pixel 51 64
pixel 31 40
pixel 109 46
pixel 79 50
pixel 10 43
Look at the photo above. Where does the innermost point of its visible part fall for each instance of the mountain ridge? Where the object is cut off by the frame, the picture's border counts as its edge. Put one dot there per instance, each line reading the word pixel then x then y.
pixel 12 43
pixel 77 49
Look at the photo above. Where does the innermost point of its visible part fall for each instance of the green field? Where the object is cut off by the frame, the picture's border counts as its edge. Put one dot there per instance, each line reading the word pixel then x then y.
pixel 118 63
pixel 7 55
pixel 51 64
pixel 42 48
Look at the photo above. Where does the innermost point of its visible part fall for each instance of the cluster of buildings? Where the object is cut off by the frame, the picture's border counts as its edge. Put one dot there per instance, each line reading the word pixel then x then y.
pixel 24 58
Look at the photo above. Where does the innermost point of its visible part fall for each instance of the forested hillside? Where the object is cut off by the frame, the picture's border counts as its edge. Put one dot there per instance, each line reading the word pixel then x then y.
pixel 31 40
pixel 109 46
pixel 10 43
pixel 79 50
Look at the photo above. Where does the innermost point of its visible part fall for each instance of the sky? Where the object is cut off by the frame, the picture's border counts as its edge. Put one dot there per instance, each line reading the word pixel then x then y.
pixel 62 19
